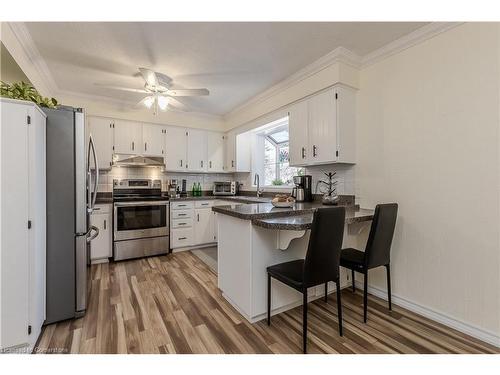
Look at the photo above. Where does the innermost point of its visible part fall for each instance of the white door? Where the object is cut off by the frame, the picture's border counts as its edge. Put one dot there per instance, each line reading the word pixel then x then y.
pixel 175 149
pixel 100 247
pixel 127 137
pixel 215 152
pixel 15 212
pixel 297 127
pixel 153 140
pixel 102 132
pixel 203 226
pixel 322 128
pixel 197 150
pixel 230 152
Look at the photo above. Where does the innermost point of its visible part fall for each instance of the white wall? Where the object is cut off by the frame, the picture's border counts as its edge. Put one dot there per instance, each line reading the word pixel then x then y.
pixel 428 139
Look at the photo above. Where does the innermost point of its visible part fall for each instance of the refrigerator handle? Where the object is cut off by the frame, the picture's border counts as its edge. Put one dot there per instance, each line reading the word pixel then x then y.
pixel 96 182
pixel 96 230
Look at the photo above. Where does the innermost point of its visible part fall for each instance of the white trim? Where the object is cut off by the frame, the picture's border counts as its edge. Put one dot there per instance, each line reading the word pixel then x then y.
pixel 339 54
pixel 348 57
pixel 418 36
pixel 469 329
pixel 29 58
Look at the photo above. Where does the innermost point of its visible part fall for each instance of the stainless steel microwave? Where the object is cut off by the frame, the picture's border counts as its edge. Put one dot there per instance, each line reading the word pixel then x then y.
pixel 226 188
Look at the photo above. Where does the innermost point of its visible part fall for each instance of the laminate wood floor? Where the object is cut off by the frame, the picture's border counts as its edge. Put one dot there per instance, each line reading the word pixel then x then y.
pixel 171 304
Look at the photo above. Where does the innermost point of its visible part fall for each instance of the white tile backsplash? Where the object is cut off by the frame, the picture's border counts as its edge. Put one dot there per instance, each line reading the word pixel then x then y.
pixel 206 180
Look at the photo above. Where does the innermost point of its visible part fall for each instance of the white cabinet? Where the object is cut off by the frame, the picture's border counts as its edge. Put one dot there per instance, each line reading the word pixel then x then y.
pixel 176 149
pixel 23 223
pixel 238 152
pixel 153 140
pixel 101 246
pixel 197 150
pixel 297 127
pixel 322 128
pixel 230 140
pixel 215 152
pixel 101 129
pixel 204 226
pixel 127 137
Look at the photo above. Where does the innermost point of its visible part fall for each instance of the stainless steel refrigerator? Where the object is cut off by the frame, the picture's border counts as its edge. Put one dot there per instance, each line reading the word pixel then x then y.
pixel 71 194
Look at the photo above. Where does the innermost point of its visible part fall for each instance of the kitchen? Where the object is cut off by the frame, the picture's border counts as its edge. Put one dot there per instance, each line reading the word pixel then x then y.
pixel 181 199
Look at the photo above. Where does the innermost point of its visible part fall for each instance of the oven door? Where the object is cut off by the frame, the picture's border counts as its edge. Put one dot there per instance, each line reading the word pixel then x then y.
pixel 134 220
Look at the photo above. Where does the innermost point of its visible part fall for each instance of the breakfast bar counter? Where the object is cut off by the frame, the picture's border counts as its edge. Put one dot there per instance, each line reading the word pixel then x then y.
pixel 252 237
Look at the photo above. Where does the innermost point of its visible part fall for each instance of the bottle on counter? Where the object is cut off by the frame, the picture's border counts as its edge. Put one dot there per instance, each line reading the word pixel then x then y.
pixel 193 190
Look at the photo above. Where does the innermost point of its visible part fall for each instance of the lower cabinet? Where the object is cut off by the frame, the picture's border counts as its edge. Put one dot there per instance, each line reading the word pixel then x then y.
pixel 101 247
pixel 204 226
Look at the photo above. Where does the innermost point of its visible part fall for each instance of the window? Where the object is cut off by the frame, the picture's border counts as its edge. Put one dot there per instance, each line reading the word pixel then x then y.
pixel 277 170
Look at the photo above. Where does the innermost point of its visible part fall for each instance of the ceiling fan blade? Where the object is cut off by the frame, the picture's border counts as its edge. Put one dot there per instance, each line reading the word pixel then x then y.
pixel 188 92
pixel 149 76
pixel 178 105
pixel 163 80
pixel 142 91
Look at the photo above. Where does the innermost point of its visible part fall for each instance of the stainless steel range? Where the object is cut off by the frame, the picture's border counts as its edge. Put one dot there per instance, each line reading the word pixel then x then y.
pixel 141 224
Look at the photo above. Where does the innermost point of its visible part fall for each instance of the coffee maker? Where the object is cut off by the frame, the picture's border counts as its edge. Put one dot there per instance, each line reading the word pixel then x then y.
pixel 302 192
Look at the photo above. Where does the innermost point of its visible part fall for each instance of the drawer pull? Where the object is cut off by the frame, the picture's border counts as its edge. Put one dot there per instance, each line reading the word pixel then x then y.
pixel 181 223
pixel 182 238
pixel 182 214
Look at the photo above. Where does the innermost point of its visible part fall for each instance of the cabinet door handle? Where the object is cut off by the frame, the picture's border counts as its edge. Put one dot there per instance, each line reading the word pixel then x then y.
pixel 314 151
pixel 181 162
pixel 303 152
pixel 133 146
pixel 201 163
pixel 198 217
pixel 210 164
pixel 104 224
pixel 232 163
pixel 145 146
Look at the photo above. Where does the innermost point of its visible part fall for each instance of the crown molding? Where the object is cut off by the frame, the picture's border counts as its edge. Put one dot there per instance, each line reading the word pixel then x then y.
pixel 409 40
pixel 348 57
pixel 340 54
pixel 21 46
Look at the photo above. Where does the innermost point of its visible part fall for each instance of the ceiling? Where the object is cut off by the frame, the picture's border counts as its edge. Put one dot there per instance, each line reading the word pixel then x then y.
pixel 235 61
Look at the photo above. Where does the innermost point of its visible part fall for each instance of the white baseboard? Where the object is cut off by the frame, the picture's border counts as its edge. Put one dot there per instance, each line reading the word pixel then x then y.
pixel 479 333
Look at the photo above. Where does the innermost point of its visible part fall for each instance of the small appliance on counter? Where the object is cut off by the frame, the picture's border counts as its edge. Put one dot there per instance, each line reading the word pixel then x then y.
pixel 226 188
pixel 302 192
pixel 173 189
pixel 183 192
pixel 141 222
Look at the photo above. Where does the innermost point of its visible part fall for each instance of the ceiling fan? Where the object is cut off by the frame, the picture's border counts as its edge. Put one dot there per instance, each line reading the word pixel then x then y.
pixel 159 94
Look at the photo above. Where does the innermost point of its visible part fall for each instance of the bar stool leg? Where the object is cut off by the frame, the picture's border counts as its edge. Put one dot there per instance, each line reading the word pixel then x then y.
pixel 388 268
pixel 353 281
pixel 268 299
pixel 365 297
pixel 304 322
pixel 339 306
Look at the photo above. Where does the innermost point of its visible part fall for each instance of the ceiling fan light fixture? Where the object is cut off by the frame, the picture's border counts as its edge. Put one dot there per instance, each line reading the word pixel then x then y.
pixel 163 102
pixel 149 101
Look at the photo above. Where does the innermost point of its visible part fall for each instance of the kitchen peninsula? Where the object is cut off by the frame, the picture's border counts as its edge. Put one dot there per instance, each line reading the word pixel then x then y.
pixel 252 237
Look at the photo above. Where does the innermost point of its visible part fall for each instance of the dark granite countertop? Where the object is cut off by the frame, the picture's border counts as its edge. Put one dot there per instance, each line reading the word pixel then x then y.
pixel 234 198
pixel 298 217
pixel 304 221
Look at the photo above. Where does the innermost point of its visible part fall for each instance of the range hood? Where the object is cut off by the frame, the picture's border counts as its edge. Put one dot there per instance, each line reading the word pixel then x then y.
pixel 138 161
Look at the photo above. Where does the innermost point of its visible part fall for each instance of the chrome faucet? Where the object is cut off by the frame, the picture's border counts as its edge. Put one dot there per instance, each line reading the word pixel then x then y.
pixel 256 181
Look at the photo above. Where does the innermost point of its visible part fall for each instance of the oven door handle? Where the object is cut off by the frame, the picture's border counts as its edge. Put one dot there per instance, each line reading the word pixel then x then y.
pixel 128 204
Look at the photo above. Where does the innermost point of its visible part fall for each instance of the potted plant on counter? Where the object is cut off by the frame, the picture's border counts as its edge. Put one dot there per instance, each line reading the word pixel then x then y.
pixel 328 188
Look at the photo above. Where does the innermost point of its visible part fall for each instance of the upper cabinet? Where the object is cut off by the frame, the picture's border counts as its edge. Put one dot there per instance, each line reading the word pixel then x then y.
pixel 101 129
pixel 322 128
pixel 153 139
pixel 215 152
pixel 197 150
pixel 238 152
pixel 128 137
pixel 230 158
pixel 176 149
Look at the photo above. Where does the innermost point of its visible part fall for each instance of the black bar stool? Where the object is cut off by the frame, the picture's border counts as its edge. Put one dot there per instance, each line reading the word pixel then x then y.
pixel 320 266
pixel 377 252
